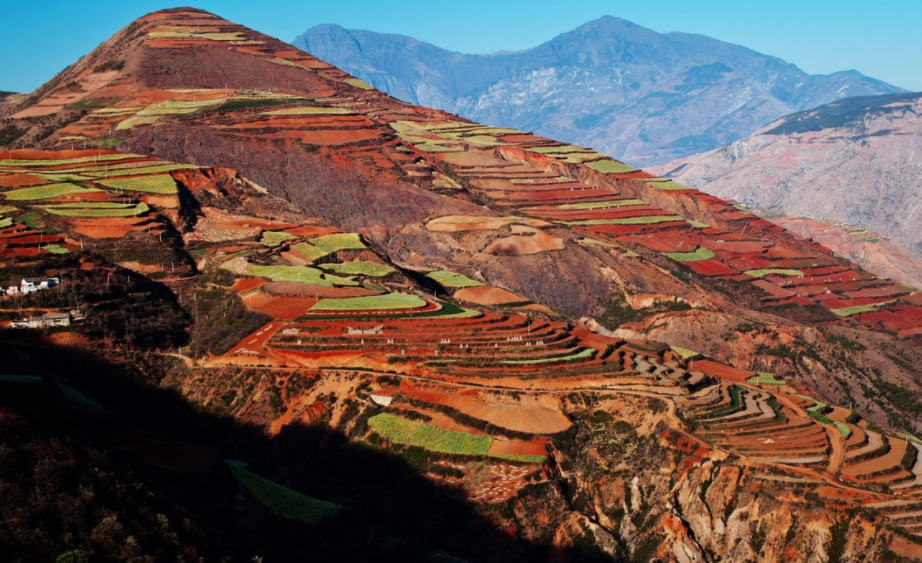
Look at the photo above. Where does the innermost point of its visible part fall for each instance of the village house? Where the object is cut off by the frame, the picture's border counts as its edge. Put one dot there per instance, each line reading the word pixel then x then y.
pixel 27 285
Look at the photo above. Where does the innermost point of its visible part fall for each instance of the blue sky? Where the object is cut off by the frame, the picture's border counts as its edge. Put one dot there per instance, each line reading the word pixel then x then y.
pixel 881 39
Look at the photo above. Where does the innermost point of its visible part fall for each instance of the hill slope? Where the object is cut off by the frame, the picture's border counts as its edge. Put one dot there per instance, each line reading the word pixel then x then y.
pixel 625 90
pixel 476 341
pixel 855 161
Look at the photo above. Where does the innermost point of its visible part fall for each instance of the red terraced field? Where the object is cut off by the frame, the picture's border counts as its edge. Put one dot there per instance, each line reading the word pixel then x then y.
pixel 903 319
pixel 486 295
pixel 720 371
pixel 20 180
pixel 278 307
pixel 711 268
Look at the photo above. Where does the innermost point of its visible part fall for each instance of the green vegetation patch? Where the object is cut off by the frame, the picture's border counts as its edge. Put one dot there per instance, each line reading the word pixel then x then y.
pixel 644 220
pixel 610 166
pixel 602 204
pixel 58 177
pixel 360 267
pixel 337 242
pixel 582 354
pixel 301 274
pixel 370 303
pixel 309 251
pixel 32 220
pixel 95 103
pixel 30 162
pixel 134 171
pixel 282 500
pixel 159 184
pixel 358 83
pixel 464 314
pixel 7 222
pixel 699 254
pixel 848 311
pixel 422 435
pixel 55 249
pixel 451 279
pixel 274 238
pixel 47 191
pixel 765 378
pixel 98 209
pixel 775 271
pixel 684 353
pixel 668 186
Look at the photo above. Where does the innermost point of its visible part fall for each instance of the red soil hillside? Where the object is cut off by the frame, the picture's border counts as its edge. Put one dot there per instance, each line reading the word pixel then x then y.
pixel 568 354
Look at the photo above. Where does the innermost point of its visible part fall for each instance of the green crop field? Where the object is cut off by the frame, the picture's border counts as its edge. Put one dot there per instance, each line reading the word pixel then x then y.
pixel 62 162
pixel 372 269
pixel 433 438
pixel 47 191
pixel 357 83
pixel 700 253
pixel 582 354
pixel 685 353
pixel 159 184
pixel 274 238
pixel 132 171
pixel 602 204
pixel 55 249
pixel 464 314
pixel 644 220
pixel 282 500
pixel 609 166
pixel 339 241
pixel 136 120
pixel 775 271
pixel 451 279
pixel 370 303
pixel 310 251
pixel 765 378
pixel 98 209
pixel 848 311
pixel 407 432
pixel 668 185
pixel 301 274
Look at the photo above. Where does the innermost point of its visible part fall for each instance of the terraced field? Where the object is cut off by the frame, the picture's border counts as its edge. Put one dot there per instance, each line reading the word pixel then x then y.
pixel 428 331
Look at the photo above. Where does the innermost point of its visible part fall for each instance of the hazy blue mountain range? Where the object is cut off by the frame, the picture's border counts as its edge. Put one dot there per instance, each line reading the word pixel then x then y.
pixel 633 93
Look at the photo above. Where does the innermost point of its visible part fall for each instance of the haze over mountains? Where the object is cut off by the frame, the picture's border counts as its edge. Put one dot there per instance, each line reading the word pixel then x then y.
pixel 627 91
pixel 287 316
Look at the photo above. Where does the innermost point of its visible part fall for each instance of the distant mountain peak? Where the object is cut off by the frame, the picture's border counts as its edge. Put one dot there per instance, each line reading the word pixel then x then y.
pixel 623 89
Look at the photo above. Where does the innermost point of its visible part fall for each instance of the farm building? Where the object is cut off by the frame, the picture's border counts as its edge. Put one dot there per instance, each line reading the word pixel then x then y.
pixel 47 320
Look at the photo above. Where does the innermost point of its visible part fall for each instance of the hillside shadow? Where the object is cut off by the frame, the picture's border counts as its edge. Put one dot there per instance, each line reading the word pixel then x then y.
pixel 391 511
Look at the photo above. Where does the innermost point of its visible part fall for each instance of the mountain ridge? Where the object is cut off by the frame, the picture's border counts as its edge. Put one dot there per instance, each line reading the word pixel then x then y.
pixel 478 342
pixel 853 160
pixel 639 80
